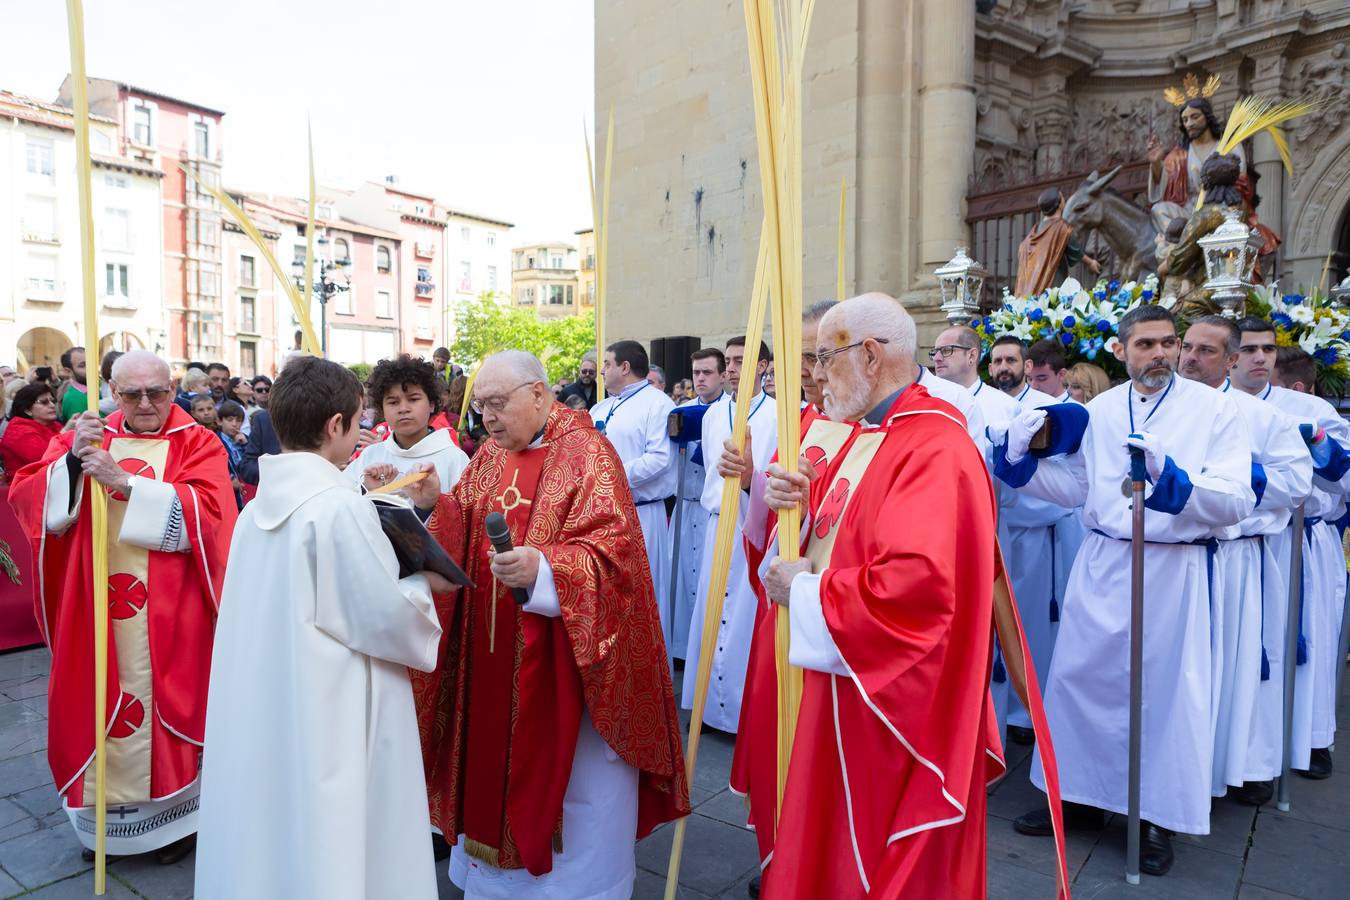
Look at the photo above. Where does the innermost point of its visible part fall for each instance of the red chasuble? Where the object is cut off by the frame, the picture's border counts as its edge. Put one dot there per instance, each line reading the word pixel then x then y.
pixel 162 613
pixel 500 715
pixel 886 787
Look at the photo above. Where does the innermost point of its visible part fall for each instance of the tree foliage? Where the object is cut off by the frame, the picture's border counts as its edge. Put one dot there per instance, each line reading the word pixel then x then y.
pixel 490 323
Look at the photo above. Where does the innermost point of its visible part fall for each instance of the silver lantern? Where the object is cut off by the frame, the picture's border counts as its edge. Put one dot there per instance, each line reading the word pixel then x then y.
pixel 1230 258
pixel 961 281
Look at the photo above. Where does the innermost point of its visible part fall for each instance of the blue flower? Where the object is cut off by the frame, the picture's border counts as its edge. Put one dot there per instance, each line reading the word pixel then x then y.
pixel 1068 322
pixel 1067 339
pixel 1104 326
pixel 1146 296
pixel 1112 285
pixel 1327 356
pixel 1099 295
pixel 974 323
pixel 987 322
pixel 1092 354
pixel 1345 335
pixel 1281 320
pixel 1037 314
pixel 1293 299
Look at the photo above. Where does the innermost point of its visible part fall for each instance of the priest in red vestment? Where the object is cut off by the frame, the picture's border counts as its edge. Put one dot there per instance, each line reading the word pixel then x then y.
pixel 893 608
pixel 170 515
pixel 549 730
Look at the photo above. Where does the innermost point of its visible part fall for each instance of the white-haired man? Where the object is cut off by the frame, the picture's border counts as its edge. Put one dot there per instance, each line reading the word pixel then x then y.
pixel 549 729
pixel 170 515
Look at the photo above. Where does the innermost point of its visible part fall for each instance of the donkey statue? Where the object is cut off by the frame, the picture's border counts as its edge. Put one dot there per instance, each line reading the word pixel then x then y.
pixel 1129 230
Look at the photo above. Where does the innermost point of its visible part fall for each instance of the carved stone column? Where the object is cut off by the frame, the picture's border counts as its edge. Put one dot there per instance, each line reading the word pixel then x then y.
pixel 946 127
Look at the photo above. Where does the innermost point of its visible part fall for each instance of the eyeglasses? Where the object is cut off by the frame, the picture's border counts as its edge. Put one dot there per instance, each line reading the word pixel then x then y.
pixel 496 404
pixel 823 357
pixel 947 351
pixel 154 395
pixel 809 359
pixel 261 390
pixel 587 371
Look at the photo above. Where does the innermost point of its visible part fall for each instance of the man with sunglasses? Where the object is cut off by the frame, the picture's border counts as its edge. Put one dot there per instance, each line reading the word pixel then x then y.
pixel 171 512
pixel 584 386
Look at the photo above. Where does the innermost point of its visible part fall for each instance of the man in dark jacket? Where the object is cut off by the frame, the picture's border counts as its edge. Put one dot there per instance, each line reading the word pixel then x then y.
pixel 584 386
pixel 262 441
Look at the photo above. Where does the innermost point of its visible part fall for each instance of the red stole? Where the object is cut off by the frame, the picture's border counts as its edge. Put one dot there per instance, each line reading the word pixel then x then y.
pixel 502 801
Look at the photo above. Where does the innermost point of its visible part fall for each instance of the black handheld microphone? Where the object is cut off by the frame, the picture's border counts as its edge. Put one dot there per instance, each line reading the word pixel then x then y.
pixel 499 536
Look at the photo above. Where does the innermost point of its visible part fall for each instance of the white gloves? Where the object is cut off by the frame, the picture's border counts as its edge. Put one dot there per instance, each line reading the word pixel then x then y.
pixel 1155 457
pixel 1023 427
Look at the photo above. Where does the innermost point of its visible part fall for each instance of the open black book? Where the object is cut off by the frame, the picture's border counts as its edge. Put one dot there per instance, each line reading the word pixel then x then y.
pixel 416 549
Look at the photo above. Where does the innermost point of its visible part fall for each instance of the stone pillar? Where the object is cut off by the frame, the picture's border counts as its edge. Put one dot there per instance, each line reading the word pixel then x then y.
pixel 1270 187
pixel 882 234
pixel 946 56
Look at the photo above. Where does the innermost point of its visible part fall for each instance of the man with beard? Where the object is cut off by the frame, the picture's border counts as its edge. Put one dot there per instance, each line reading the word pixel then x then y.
pixel 1324 557
pixel 73 400
pixel 1032 532
pixel 584 386
pixel 1198 459
pixel 956 358
pixel 1248 616
pixel 219 377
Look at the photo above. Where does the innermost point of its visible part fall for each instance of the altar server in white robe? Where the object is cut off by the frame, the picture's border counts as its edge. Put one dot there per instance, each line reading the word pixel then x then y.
pixel 312 781
pixel 635 417
pixel 1197 454
pixel 407 392
pixel 1248 614
pixel 1047 369
pixel 1039 540
pixel 1324 557
pixel 732 651
pixel 709 375
pixel 963 401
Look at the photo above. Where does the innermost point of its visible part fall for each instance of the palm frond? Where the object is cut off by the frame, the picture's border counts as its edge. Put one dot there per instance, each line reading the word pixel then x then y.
pixel 1252 115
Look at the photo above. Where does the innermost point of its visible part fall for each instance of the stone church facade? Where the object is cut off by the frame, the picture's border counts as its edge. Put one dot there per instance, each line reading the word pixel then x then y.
pixel 944 118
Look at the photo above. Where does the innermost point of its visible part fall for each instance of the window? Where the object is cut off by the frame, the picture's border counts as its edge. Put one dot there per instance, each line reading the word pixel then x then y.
pixel 39 219
pixel 41 275
pixel 383 261
pixel 298 258
pixel 141 125
pixel 323 210
pixel 101 142
pixel 41 158
pixel 247 271
pixel 557 262
pixel 344 303
pixel 116 231
pixel 116 181
pixel 555 295
pixel 492 238
pixel 384 306
pixel 208 281
pixel 465 276
pixel 420 209
pixel 569 295
pixel 203 229
pixel 248 321
pixel 423 321
pixel 341 251
pixel 527 296
pixel 248 358
pixel 201 138
pixel 116 280
pixel 590 293
pixel 464 234
pixel 492 278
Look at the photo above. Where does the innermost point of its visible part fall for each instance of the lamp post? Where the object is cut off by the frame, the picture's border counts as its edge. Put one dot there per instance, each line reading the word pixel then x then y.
pixel 961 282
pixel 325 286
pixel 1230 256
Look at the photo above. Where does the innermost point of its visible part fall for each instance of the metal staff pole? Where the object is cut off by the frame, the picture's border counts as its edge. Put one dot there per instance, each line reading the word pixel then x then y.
pixel 1138 474
pixel 674 427
pixel 1341 648
pixel 1295 613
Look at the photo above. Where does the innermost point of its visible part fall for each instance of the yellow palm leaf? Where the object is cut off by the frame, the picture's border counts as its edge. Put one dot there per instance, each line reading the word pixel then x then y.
pixel 1252 115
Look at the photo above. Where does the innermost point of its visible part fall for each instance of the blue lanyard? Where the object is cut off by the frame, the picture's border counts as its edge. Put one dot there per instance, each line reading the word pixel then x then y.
pixel 976 392
pixel 1130 402
pixel 615 407
pixel 1266 395
pixel 731 422
pixel 1026 390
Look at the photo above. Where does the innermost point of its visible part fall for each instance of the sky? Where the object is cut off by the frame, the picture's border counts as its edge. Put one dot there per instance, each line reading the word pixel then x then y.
pixel 478 102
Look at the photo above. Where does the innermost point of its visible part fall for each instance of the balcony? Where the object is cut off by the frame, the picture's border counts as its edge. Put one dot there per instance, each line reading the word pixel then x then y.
pixel 39 235
pixel 426 289
pixel 424 251
pixel 423 333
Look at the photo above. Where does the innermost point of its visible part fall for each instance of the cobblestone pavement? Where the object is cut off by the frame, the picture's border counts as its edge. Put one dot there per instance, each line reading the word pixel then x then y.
pixel 1250 854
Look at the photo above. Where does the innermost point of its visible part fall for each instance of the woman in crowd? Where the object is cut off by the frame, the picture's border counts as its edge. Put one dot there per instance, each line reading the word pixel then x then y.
pixel 241 391
pixel 34 420
pixel 262 386
pixel 1087 381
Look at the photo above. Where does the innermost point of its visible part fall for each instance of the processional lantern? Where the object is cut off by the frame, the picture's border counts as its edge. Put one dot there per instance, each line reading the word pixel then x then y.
pixel 1340 294
pixel 1230 253
pixel 961 282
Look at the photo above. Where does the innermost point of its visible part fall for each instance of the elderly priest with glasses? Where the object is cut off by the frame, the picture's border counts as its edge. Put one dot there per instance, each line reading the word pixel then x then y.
pixel 548 729
pixel 170 515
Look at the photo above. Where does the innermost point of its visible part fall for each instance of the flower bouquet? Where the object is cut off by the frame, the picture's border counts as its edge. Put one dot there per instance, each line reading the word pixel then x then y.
pixel 1314 323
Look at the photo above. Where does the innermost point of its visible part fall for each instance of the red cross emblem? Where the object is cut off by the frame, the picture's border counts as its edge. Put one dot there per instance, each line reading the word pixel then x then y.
pixel 815 455
pixel 832 507
pixel 132 466
pixel 126 595
pixel 130 717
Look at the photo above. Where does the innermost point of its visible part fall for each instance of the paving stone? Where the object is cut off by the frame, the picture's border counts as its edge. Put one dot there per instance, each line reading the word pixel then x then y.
pixel 1252 892
pixel 650 886
pixel 1014 795
pixel 1230 828
pixel 1322 802
pixel 1038 853
pixel 43 857
pixel 714 761
pixel 1197 872
pixel 149 879
pixel 22 730
pixel 24 664
pixel 1007 881
pixel 1298 857
pixel 738 891
pixel 81 887
pixel 20 773
pixel 716 855
pixel 39 801
pixel 725 806
pixel 8 886
pixel 25 688
pixel 19 827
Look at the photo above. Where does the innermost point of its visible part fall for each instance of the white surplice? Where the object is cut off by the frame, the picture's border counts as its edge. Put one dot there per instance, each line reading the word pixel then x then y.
pixel 693 534
pixel 731 653
pixel 312 782
pixel 1324 582
pixel 636 423
pixel 1087 695
pixel 1040 541
pixel 1245 707
pixel 436 448
pixel 965 403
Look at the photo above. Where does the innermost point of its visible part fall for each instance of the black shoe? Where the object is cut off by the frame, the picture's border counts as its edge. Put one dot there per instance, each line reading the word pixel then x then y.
pixel 1037 822
pixel 440 848
pixel 1319 765
pixel 167 856
pixel 1155 849
pixel 1019 735
pixel 753 887
pixel 1254 793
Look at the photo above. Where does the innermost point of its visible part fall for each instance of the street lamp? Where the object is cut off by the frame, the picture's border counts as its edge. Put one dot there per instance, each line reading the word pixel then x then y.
pixel 325 287
pixel 1230 256
pixel 961 281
